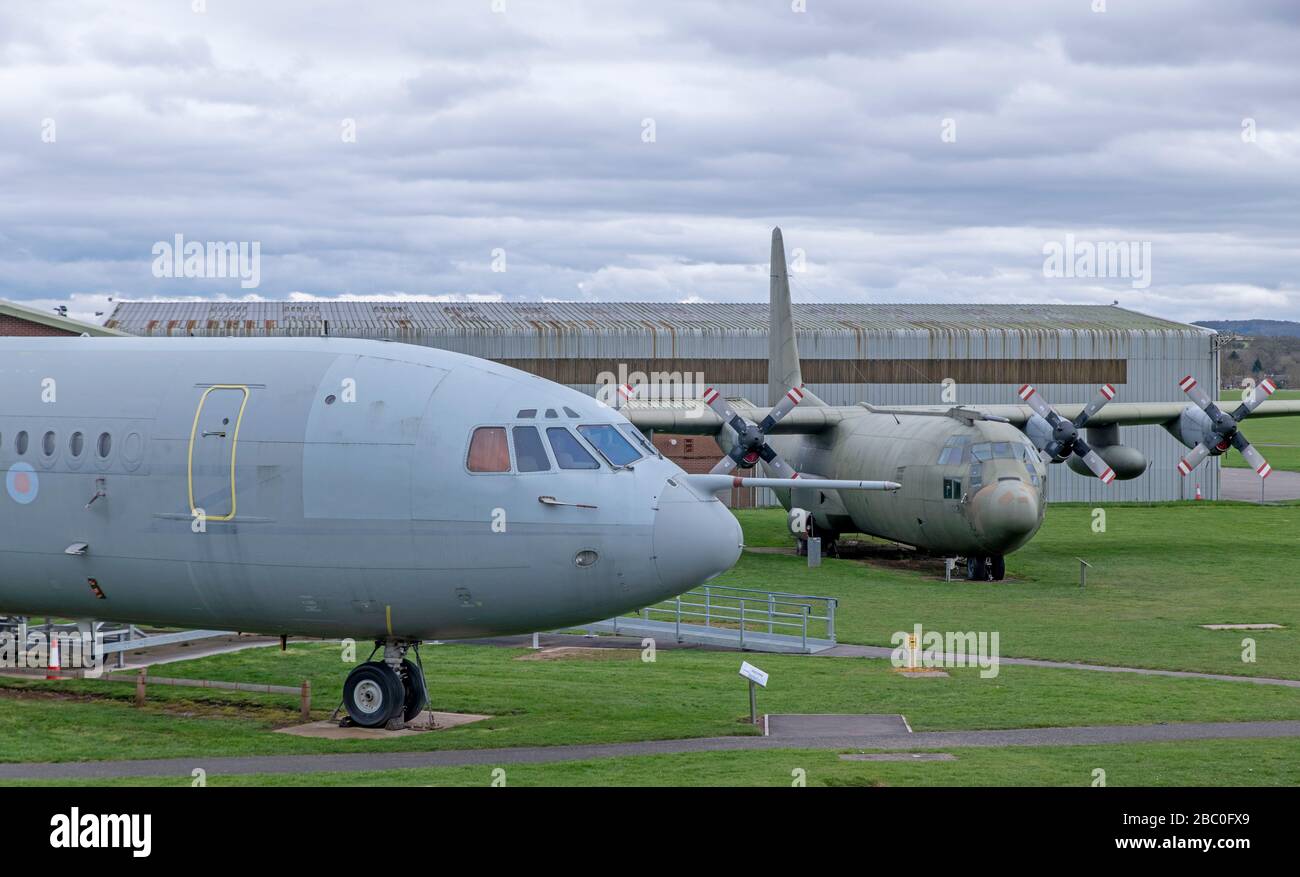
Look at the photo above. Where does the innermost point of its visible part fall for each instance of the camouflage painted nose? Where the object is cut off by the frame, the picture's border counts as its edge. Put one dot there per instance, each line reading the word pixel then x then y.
pixel 1005 514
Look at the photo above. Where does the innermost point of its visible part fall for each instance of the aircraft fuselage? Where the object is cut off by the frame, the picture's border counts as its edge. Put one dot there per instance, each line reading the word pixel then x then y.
pixel 323 487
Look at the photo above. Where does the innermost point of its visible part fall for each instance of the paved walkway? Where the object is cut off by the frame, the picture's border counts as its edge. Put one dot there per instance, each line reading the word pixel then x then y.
pixel 261 764
pixel 852 651
pixel 1244 484
pixel 845 650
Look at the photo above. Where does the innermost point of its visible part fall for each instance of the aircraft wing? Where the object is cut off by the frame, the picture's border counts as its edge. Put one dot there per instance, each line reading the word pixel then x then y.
pixel 699 419
pixel 1122 413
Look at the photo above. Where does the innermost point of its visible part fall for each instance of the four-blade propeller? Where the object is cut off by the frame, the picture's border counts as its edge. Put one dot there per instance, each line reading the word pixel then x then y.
pixel 1065 438
pixel 751 439
pixel 1223 429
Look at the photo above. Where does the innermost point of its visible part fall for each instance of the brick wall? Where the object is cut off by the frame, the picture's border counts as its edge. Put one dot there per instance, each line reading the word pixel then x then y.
pixel 698 454
pixel 17 326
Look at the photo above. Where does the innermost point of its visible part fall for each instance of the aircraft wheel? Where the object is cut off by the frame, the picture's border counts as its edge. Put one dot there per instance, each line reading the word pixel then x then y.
pixel 373 694
pixel 416 692
pixel 998 568
pixel 976 569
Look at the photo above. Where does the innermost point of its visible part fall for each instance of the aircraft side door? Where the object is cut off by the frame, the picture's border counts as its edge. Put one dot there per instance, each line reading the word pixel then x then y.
pixel 213 450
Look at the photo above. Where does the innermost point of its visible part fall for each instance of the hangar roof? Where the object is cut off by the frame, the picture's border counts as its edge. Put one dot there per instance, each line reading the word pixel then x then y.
pixel 370 318
pixel 54 321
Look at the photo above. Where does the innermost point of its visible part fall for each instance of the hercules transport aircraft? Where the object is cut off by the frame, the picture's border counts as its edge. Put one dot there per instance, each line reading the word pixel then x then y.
pixel 336 487
pixel 973 476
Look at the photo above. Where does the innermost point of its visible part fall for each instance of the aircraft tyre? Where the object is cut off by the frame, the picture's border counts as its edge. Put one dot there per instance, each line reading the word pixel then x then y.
pixel 416 692
pixel 977 569
pixel 997 568
pixel 372 694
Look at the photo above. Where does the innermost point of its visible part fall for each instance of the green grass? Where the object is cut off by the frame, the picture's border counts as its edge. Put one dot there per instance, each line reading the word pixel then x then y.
pixel 1198 763
pixel 608 698
pixel 1277 438
pixel 1158 572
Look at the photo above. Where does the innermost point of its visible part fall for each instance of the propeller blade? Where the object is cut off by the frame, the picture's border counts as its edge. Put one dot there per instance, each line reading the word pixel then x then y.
pixel 1256 399
pixel 775 463
pixel 625 394
pixel 714 400
pixel 1035 401
pixel 1253 457
pixel 792 397
pixel 1093 461
pixel 1104 395
pixel 723 466
pixel 1193 459
pixel 1199 397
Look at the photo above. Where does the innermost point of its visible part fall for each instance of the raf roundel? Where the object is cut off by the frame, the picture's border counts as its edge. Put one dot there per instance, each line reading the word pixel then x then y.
pixel 22 483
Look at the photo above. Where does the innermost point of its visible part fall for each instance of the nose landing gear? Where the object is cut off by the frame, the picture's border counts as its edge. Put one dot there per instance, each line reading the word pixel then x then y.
pixel 986 568
pixel 387 693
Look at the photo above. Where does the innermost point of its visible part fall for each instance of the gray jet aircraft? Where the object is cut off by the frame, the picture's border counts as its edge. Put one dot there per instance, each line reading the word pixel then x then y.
pixel 335 487
pixel 973 476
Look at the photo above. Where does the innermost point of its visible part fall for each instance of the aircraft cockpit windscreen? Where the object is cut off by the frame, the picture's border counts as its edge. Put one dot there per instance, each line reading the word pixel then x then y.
pixel 638 438
pixel 959 449
pixel 569 452
pixel 611 444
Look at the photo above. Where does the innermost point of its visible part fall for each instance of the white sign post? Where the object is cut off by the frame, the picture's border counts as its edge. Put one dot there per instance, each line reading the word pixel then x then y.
pixel 755 676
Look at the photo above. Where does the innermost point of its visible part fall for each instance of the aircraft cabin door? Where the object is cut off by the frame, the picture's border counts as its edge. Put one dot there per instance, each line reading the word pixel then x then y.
pixel 214 443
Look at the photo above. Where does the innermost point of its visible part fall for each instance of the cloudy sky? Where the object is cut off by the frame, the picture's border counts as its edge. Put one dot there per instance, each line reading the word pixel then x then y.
pixel 621 150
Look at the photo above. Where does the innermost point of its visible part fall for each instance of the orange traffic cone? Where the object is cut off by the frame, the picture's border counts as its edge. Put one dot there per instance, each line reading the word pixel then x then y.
pixel 52 671
pixel 1198 492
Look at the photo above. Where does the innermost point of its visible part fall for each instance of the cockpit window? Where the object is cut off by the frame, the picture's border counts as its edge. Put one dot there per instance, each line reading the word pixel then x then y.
pixel 954 450
pixel 551 415
pixel 569 452
pixel 569 411
pixel 530 455
pixel 611 444
pixel 527 414
pixel 639 439
pixel 488 451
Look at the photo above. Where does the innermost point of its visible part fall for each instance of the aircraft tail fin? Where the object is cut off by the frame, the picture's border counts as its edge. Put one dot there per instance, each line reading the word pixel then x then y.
pixel 783 370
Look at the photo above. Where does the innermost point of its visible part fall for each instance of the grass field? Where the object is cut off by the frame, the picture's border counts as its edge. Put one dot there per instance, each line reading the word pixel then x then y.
pixel 607 697
pixel 1277 438
pixel 1201 763
pixel 1158 572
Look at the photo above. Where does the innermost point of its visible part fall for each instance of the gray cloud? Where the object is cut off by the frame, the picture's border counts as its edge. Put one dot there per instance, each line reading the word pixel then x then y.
pixel 522 131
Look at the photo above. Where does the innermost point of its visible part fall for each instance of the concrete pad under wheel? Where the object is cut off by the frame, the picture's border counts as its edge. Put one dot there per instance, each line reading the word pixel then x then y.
pixel 804 726
pixel 423 724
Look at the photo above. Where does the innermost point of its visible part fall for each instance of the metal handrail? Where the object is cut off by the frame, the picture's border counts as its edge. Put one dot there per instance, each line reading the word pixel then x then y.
pixel 743 607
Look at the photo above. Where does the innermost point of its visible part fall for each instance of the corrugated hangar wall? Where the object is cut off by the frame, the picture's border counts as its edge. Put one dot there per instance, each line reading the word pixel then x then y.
pixel 884 354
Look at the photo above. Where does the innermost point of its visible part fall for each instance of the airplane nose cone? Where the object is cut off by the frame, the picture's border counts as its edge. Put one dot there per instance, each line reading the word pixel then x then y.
pixel 1005 514
pixel 694 540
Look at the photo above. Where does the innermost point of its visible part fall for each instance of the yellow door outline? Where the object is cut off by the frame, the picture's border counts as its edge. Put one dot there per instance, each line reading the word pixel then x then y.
pixel 234 446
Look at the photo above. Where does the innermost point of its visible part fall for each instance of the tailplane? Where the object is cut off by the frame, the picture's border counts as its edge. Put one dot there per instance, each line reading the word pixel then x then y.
pixel 783 370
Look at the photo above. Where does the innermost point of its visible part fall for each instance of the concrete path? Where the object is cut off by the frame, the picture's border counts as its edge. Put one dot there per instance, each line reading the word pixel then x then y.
pixel 548 754
pixel 845 650
pixel 852 651
pixel 1244 485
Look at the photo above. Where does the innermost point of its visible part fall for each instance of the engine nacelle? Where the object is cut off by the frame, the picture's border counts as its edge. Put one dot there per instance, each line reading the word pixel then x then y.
pixel 1038 430
pixel 1124 461
pixel 1192 427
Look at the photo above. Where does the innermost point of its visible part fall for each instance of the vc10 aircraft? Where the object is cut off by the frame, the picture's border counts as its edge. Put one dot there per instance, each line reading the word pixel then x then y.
pixel 336 487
